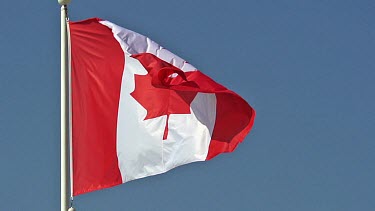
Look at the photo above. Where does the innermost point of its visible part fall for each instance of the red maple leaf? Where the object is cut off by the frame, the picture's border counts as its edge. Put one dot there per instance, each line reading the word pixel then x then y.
pixel 158 92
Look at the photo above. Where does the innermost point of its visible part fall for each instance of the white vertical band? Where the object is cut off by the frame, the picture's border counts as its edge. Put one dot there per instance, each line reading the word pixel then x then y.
pixel 141 149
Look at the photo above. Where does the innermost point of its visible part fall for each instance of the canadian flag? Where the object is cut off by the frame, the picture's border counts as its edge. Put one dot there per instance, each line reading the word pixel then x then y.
pixel 139 110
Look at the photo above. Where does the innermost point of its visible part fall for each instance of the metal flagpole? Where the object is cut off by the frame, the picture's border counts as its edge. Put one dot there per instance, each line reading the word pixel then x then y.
pixel 64 108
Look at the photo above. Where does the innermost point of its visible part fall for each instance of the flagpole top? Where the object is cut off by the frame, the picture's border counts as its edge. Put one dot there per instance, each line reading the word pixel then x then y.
pixel 64 2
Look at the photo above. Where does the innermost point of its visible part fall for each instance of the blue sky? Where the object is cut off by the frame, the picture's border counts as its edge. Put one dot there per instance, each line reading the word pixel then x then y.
pixel 307 67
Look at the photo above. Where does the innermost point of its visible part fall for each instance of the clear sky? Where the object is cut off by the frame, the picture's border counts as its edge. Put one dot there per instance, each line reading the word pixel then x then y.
pixel 307 67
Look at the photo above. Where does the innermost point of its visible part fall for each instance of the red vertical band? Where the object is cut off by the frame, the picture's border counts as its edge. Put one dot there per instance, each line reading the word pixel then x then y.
pixel 234 120
pixel 97 67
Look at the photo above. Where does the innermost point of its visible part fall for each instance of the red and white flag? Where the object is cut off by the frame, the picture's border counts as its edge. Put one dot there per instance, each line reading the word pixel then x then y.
pixel 139 110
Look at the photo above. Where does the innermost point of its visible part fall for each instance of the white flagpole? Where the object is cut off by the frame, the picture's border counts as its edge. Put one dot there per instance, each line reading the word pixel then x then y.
pixel 64 108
